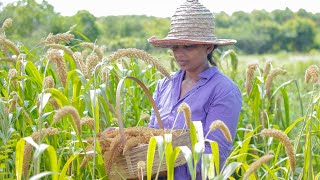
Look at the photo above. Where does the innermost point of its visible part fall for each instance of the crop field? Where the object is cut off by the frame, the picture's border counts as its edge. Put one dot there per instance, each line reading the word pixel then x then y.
pixel 57 99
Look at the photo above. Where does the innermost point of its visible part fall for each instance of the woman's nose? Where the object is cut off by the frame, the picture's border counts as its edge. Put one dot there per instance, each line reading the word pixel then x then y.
pixel 178 50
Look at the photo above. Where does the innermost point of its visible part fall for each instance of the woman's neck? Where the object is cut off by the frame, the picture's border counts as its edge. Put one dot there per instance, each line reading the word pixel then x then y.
pixel 193 75
pixel 190 79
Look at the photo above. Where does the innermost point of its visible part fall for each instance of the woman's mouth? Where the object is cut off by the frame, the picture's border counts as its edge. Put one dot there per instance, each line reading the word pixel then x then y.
pixel 182 62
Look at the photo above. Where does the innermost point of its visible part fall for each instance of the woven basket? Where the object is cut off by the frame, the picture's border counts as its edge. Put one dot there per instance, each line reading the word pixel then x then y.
pixel 126 165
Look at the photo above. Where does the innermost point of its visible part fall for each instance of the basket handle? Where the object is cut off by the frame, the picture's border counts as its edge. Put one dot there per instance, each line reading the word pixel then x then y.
pixel 120 120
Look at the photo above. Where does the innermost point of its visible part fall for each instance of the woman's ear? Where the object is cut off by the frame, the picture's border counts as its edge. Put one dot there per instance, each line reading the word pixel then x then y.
pixel 210 48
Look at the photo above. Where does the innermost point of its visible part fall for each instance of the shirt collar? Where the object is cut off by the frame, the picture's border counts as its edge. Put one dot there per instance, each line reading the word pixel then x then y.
pixel 207 74
pixel 177 74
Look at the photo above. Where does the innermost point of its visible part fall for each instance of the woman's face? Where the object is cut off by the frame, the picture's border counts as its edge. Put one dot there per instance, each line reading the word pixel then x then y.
pixel 192 57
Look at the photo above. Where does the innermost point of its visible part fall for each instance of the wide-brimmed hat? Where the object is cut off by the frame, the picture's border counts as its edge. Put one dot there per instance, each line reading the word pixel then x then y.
pixel 192 23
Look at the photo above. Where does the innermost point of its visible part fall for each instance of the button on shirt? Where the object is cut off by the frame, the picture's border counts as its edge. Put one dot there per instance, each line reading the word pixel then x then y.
pixel 214 97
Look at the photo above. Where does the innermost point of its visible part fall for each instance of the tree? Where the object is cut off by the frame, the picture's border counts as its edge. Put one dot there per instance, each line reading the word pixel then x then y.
pixel 222 20
pixel 299 34
pixel 280 16
pixel 31 20
pixel 239 18
pixel 85 25
pixel 260 15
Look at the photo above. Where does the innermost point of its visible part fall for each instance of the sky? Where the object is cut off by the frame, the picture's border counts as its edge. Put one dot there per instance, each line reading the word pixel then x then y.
pixel 166 8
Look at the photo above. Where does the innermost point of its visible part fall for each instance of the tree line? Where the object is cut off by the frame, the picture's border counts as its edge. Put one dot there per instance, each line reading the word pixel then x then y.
pixel 257 32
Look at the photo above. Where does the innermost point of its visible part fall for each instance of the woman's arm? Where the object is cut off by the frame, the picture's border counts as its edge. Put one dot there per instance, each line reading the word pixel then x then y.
pixel 225 107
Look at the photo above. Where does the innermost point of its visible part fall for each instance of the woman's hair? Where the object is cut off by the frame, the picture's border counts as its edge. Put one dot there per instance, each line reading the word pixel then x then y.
pixel 210 56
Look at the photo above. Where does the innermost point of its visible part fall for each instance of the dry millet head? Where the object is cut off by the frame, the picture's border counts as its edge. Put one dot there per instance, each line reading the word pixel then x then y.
pixel 114 119
pixel 140 54
pixel 116 149
pixel 8 59
pixel 85 53
pixel 14 102
pixel 185 108
pixel 48 82
pixel 312 74
pixel 91 61
pixel 27 157
pixel 145 116
pixel 96 49
pixel 61 47
pixel 56 57
pixel 249 128
pixel 28 147
pixel 284 139
pixel 255 165
pixel 263 117
pixel 88 157
pixel 270 77
pixel 44 131
pixel 267 68
pixel 64 37
pixel 141 166
pixel 7 43
pixel 89 121
pixel 12 73
pixel 105 74
pixel 251 68
pixel 218 124
pixel 54 54
pixel 7 24
pixel 68 110
pixel 79 61
pixel 54 103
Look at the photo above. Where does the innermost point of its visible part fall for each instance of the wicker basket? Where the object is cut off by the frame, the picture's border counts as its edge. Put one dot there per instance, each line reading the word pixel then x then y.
pixel 126 165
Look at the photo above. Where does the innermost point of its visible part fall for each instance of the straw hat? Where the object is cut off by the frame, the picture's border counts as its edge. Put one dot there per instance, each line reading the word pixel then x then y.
pixel 192 23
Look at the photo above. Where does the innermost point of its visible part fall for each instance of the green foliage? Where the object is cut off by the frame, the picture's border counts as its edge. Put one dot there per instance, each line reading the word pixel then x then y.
pixel 19 158
pixel 150 156
pixel 171 155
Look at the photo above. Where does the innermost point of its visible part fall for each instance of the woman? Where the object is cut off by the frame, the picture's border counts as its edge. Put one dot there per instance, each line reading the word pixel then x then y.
pixel 210 94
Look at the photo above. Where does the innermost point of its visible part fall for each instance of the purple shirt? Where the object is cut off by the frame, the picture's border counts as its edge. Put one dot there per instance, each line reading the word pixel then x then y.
pixel 214 97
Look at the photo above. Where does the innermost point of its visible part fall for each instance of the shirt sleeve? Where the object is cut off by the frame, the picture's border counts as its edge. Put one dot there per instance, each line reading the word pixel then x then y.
pixel 225 106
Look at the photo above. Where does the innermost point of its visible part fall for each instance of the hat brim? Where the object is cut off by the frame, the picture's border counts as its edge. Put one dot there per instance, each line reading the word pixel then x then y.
pixel 167 43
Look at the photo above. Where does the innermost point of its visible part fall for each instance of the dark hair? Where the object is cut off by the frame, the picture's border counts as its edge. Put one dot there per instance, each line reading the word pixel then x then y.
pixel 210 56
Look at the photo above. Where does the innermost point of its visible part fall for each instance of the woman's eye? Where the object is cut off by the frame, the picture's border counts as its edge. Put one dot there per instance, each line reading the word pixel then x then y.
pixel 190 46
pixel 175 47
